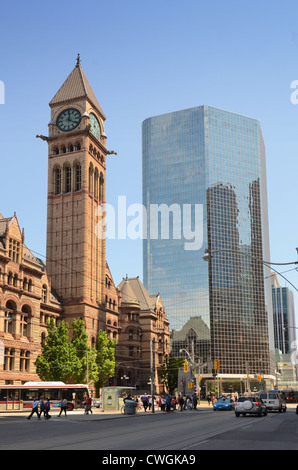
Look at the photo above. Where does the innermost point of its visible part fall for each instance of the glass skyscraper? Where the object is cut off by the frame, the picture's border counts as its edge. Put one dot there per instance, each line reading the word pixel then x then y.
pixel 204 174
pixel 283 317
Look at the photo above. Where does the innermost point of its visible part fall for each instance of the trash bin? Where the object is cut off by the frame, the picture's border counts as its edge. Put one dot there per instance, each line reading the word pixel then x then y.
pixel 130 407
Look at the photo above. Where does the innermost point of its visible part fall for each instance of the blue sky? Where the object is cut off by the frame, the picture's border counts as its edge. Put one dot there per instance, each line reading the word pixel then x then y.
pixel 145 58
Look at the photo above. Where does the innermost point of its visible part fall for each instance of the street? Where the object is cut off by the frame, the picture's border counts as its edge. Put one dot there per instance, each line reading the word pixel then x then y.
pixel 183 431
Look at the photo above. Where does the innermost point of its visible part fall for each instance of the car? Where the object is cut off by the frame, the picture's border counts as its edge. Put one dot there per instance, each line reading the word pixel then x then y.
pixel 224 403
pixel 274 401
pixel 249 405
pixel 96 402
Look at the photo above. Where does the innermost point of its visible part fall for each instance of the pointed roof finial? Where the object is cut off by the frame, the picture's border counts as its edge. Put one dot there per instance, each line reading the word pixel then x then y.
pixel 78 60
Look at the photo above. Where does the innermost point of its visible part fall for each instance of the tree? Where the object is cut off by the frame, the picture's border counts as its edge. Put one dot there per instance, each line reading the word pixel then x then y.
pixel 58 359
pixel 169 371
pixel 105 359
pixel 83 352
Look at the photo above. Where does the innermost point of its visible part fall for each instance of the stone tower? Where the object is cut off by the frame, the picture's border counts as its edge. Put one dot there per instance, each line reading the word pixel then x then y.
pixel 76 257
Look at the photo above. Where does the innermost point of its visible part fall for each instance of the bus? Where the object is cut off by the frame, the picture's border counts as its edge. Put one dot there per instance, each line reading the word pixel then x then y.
pixel 20 397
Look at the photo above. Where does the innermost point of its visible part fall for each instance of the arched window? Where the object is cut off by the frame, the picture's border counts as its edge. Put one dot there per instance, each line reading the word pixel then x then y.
pixel 44 294
pixel 43 337
pixel 67 170
pixel 9 316
pixel 91 179
pixel 78 177
pixel 57 177
pixel 25 315
pixel 101 188
pixel 96 184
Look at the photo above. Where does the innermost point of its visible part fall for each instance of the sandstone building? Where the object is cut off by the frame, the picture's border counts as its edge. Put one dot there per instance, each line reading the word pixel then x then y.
pixel 76 280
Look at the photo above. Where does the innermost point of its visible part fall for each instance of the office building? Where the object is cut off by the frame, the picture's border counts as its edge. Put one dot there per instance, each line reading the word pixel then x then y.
pixel 204 173
pixel 283 317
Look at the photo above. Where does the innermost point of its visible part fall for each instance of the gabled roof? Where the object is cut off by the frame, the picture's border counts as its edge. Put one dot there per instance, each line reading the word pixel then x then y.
pixel 76 87
pixel 3 222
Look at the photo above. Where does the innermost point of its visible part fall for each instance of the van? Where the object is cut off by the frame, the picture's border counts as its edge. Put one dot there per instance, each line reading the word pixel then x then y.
pixel 274 401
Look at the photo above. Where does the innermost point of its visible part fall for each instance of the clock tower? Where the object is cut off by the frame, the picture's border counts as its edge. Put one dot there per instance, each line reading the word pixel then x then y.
pixel 76 257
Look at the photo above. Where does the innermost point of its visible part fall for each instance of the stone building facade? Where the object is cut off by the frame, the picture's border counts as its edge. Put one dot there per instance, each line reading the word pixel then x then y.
pixel 76 281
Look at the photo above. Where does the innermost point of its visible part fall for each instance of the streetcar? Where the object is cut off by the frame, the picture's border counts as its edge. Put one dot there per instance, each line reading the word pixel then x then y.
pixel 20 397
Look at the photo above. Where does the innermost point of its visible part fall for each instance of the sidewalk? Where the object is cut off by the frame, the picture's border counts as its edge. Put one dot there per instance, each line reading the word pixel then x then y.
pixel 97 414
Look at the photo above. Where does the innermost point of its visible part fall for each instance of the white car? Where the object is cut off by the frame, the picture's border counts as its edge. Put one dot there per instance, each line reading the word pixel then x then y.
pixel 274 401
pixel 250 405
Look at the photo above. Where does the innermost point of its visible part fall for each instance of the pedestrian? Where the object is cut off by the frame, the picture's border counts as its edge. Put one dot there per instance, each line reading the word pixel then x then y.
pixel 41 406
pixel 174 403
pixel 128 397
pixel 145 401
pixel 63 407
pixel 208 399
pixel 168 403
pixel 47 408
pixel 34 410
pixel 181 403
pixel 195 402
pixel 188 403
pixel 88 405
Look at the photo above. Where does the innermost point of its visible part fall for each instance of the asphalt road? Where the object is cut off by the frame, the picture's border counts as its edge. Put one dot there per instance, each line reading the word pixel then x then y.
pixel 183 431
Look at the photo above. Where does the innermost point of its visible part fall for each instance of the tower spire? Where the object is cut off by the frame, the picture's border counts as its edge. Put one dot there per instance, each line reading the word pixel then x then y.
pixel 78 61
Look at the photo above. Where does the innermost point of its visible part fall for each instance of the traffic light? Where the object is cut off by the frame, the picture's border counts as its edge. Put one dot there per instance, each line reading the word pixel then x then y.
pixel 185 367
pixel 216 364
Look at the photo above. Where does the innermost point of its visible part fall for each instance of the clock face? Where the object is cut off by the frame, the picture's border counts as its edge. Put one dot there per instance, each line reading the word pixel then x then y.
pixel 95 127
pixel 69 120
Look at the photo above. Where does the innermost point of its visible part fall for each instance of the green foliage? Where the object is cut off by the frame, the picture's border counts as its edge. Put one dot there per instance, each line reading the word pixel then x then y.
pixel 169 372
pixel 105 359
pixel 66 360
pixel 58 359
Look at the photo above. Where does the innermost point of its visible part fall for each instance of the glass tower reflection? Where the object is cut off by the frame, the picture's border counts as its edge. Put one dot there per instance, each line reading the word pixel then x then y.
pixel 214 158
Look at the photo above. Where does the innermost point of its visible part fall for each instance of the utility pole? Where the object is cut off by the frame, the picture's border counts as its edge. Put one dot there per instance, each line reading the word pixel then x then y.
pixel 152 373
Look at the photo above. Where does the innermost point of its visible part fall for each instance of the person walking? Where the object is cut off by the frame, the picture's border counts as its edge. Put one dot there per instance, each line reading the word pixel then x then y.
pixel 195 401
pixel 47 407
pixel 145 401
pixel 181 403
pixel 168 403
pixel 41 406
pixel 34 410
pixel 63 407
pixel 88 405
